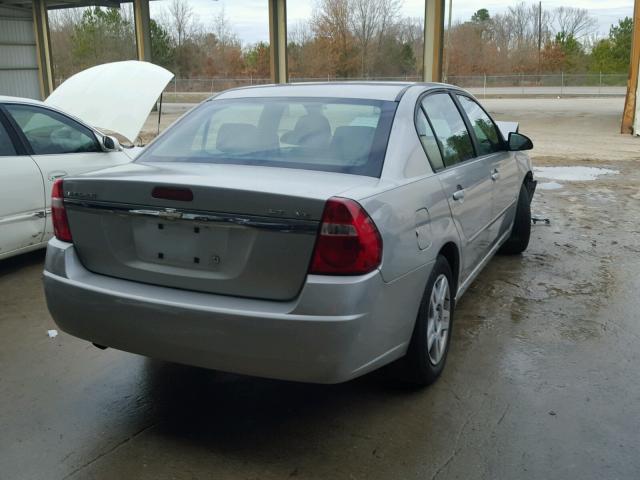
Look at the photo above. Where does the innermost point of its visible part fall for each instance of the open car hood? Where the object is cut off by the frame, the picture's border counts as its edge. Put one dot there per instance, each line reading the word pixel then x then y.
pixel 114 96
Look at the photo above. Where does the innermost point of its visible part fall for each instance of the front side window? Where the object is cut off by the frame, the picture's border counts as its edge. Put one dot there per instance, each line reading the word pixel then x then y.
pixel 450 129
pixel 49 132
pixel 484 129
pixel 6 146
pixel 334 135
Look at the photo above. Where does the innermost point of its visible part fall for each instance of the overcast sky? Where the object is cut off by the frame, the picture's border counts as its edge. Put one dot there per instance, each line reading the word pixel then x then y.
pixel 249 17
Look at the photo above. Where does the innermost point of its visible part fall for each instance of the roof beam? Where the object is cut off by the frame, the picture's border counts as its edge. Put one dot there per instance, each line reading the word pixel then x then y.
pixel 433 40
pixel 278 40
pixel 60 4
pixel 630 104
pixel 143 29
pixel 43 47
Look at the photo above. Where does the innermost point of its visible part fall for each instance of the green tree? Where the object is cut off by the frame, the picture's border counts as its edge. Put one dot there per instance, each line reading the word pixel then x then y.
pixel 102 36
pixel 481 16
pixel 612 55
pixel 256 59
pixel 162 52
pixel 407 59
pixel 572 51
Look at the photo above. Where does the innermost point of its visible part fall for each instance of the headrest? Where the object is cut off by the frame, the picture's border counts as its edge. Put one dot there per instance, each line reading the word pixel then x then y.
pixel 236 137
pixel 312 130
pixel 353 144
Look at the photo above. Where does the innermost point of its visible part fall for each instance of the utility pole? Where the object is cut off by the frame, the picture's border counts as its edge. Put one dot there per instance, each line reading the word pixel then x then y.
pixel 539 37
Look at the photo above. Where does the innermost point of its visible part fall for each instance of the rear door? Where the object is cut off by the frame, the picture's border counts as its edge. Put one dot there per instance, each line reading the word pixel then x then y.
pixel 21 195
pixel 60 146
pixel 504 170
pixel 465 178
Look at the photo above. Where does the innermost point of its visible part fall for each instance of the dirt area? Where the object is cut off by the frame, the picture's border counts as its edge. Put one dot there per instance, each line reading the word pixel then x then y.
pixel 542 380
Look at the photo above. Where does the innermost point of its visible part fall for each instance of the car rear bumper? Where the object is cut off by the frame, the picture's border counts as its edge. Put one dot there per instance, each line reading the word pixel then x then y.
pixel 337 328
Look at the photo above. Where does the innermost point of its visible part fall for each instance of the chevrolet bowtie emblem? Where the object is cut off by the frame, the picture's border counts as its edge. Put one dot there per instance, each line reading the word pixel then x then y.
pixel 170 214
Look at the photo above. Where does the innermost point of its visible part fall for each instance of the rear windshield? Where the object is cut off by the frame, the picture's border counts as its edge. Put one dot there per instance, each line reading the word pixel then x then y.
pixel 333 135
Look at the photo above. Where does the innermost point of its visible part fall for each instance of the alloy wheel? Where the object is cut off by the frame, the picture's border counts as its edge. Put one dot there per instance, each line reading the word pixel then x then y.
pixel 438 319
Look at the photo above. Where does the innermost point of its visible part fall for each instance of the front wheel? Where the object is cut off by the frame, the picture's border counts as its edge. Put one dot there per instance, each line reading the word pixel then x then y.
pixel 518 241
pixel 431 338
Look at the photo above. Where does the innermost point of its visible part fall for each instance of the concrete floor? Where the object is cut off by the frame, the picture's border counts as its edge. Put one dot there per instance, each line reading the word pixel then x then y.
pixel 542 381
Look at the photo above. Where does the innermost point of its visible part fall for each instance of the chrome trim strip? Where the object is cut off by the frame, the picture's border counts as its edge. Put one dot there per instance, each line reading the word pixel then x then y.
pixel 285 225
pixel 22 217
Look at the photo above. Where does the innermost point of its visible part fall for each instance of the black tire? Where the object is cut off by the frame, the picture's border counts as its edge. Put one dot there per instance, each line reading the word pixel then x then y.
pixel 518 241
pixel 417 368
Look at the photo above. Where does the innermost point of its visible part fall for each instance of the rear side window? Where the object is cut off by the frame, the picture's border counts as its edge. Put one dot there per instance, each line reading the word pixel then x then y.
pixel 450 129
pixel 49 132
pixel 6 146
pixel 429 141
pixel 334 135
pixel 484 129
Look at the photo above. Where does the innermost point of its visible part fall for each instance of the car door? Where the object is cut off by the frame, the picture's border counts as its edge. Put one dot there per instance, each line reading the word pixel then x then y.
pixel 22 210
pixel 60 146
pixel 465 179
pixel 504 169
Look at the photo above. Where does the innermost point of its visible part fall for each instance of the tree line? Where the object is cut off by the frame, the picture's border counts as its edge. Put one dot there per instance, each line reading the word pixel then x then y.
pixel 529 40
pixel 347 39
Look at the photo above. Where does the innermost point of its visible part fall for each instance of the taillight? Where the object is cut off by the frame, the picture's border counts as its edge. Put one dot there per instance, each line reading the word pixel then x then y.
pixel 58 213
pixel 173 193
pixel 348 242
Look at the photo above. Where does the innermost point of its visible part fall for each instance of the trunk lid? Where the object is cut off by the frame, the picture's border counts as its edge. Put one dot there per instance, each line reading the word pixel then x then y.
pixel 248 231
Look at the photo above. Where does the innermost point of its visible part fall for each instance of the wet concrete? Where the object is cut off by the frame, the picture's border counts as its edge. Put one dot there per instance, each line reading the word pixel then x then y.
pixel 542 380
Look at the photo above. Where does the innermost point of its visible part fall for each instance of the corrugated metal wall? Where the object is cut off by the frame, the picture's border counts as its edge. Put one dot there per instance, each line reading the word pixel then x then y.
pixel 18 61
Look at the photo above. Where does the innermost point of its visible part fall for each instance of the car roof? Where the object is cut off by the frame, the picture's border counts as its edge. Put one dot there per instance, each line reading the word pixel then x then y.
pixel 31 101
pixel 369 90
pixel 9 99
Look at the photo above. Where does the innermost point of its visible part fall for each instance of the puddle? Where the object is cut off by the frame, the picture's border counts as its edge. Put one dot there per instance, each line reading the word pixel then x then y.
pixel 572 174
pixel 550 186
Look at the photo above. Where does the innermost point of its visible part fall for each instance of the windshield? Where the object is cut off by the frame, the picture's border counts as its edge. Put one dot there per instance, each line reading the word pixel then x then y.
pixel 333 135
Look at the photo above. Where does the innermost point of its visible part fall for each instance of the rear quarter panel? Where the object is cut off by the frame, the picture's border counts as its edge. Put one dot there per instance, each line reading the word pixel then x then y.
pixel 414 221
pixel 411 211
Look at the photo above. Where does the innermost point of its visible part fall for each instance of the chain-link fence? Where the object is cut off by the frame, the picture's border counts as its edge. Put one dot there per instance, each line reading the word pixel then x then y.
pixel 195 89
pixel 548 84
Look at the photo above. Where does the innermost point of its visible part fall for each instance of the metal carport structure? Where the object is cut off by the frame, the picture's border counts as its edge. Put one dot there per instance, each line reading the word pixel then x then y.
pixel 25 47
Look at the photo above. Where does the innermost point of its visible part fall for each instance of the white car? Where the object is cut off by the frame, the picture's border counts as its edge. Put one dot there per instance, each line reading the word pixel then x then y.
pixel 43 141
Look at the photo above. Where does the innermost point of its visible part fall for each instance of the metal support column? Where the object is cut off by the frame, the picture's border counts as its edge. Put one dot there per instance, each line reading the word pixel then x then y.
pixel 433 40
pixel 632 85
pixel 278 40
pixel 143 29
pixel 43 47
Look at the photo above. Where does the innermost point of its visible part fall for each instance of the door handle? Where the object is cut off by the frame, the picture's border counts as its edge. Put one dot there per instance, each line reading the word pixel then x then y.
pixel 458 195
pixel 495 175
pixel 56 175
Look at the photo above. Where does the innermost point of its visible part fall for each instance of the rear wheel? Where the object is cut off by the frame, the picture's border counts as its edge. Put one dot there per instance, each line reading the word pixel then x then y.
pixel 429 346
pixel 518 241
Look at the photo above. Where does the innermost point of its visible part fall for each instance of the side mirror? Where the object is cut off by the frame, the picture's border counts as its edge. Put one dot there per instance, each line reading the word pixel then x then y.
pixel 518 142
pixel 110 144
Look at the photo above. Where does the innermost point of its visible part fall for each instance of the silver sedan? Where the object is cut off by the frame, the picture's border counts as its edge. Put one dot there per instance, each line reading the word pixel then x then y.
pixel 310 232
